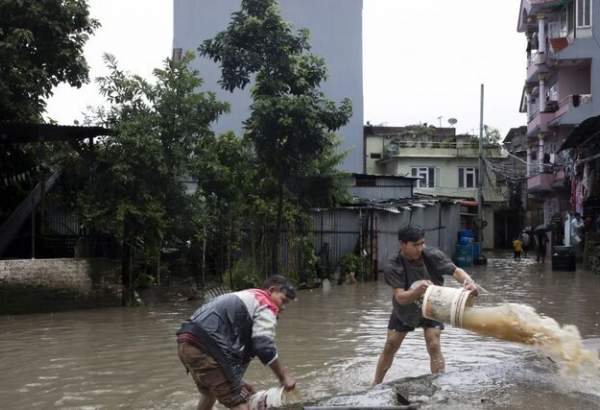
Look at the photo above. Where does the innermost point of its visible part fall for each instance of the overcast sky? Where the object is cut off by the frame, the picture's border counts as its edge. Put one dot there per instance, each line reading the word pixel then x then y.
pixel 422 59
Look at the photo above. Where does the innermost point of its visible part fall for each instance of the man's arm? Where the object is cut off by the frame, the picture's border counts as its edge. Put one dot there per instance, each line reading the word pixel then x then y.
pixel 463 278
pixel 417 289
pixel 282 375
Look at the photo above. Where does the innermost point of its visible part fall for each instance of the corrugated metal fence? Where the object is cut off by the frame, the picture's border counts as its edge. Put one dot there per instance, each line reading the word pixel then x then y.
pixel 375 230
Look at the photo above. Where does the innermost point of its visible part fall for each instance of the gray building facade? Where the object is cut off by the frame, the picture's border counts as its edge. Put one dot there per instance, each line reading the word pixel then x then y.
pixel 335 34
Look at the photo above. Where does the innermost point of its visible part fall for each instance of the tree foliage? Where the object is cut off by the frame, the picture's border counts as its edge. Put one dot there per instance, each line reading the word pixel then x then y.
pixel 291 124
pixel 132 184
pixel 41 45
pixel 159 130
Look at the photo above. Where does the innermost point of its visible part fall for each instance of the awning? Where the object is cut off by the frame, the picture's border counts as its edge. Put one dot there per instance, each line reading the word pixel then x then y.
pixel 587 129
pixel 20 133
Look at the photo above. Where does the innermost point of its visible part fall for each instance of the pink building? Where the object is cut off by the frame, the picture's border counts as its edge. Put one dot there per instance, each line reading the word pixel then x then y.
pixel 561 80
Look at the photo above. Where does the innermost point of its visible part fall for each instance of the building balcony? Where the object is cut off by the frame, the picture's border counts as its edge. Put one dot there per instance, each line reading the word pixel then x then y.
pixel 539 122
pixel 559 180
pixel 573 109
pixel 540 183
pixel 441 149
pixel 536 66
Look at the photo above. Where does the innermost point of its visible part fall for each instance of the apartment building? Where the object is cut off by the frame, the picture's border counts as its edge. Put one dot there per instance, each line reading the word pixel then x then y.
pixel 335 34
pixel 445 165
pixel 562 89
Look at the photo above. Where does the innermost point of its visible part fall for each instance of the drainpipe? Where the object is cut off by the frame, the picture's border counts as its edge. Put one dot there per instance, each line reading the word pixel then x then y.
pixel 541 152
pixel 542 95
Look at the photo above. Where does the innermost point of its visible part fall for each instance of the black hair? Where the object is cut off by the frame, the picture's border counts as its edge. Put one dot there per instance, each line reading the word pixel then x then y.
pixel 282 283
pixel 411 233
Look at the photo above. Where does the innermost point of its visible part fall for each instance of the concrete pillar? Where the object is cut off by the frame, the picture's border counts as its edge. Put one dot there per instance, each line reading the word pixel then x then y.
pixel 528 160
pixel 541 33
pixel 542 94
pixel 541 152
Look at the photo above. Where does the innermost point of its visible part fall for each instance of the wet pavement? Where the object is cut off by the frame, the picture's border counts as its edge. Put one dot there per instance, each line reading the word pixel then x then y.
pixel 125 358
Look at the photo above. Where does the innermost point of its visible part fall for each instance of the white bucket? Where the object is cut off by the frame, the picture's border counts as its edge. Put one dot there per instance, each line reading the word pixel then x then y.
pixel 273 397
pixel 446 304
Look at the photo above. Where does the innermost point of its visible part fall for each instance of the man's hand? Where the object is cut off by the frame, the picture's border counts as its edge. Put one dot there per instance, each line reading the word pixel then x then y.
pixel 247 390
pixel 470 284
pixel 281 372
pixel 288 382
pixel 419 287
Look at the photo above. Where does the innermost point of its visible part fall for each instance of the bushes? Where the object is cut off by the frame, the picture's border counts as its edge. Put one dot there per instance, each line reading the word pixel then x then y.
pixel 243 275
pixel 352 263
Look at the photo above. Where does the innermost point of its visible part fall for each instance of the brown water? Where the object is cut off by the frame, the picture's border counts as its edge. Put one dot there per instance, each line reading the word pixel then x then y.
pixel 126 358
pixel 522 324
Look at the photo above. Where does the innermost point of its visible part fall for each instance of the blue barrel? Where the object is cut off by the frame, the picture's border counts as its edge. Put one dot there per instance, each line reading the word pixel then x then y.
pixel 476 250
pixel 464 255
pixel 465 236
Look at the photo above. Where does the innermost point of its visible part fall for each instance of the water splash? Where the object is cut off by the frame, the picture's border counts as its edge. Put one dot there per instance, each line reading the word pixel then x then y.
pixel 522 324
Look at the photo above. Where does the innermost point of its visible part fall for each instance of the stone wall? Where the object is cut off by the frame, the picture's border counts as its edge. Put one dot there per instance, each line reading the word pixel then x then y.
pixel 43 285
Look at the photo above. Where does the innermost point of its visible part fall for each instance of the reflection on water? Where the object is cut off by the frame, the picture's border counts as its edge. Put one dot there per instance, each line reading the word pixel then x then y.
pixel 125 358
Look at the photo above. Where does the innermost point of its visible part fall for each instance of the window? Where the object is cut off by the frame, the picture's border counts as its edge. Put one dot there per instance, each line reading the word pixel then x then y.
pixel 426 176
pixel 375 155
pixel 584 13
pixel 468 177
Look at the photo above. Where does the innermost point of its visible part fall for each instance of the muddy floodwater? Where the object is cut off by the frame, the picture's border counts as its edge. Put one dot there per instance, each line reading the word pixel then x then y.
pixel 126 358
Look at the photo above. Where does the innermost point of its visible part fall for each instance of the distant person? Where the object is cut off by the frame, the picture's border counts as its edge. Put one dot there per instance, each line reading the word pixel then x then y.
pixel 517 248
pixel 217 343
pixel 542 246
pixel 576 229
pixel 525 242
pixel 409 273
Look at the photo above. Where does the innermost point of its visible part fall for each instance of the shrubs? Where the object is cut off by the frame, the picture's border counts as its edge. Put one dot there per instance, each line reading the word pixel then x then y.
pixel 352 263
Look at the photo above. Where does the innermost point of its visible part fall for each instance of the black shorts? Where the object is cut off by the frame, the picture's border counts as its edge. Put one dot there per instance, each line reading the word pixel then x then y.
pixel 399 326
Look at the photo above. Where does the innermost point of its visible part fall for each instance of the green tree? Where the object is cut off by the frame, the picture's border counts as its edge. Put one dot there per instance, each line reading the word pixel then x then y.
pixel 41 45
pixel 291 123
pixel 134 187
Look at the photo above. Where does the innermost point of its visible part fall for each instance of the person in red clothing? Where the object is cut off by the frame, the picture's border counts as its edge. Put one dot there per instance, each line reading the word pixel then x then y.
pixel 217 343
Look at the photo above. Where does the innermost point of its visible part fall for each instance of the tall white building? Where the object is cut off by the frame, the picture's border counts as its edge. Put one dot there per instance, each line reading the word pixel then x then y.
pixel 335 34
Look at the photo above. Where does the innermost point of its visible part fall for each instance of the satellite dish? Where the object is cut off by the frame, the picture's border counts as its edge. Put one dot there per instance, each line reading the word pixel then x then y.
pixel 452 121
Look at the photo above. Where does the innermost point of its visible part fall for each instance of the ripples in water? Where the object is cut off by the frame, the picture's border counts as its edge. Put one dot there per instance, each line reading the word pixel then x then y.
pixel 126 358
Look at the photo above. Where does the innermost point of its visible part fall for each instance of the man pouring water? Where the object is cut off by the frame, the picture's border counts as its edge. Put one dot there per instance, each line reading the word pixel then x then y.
pixel 409 273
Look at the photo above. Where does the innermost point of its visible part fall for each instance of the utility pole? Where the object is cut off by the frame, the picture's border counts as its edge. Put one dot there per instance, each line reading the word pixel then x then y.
pixel 481 259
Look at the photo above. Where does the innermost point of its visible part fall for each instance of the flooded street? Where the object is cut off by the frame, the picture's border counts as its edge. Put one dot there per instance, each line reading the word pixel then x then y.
pixel 126 358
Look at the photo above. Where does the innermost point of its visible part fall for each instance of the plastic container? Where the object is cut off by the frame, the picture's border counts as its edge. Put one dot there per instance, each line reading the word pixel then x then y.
pixel 563 258
pixel 273 397
pixel 476 250
pixel 463 255
pixel 465 240
pixel 446 304
pixel 465 236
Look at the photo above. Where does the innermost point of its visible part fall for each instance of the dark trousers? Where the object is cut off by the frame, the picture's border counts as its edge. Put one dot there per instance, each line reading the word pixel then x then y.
pixel 541 254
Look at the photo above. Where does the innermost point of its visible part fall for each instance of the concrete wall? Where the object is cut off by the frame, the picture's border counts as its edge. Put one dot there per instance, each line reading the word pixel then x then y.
pixel 335 34
pixel 574 80
pixel 41 285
